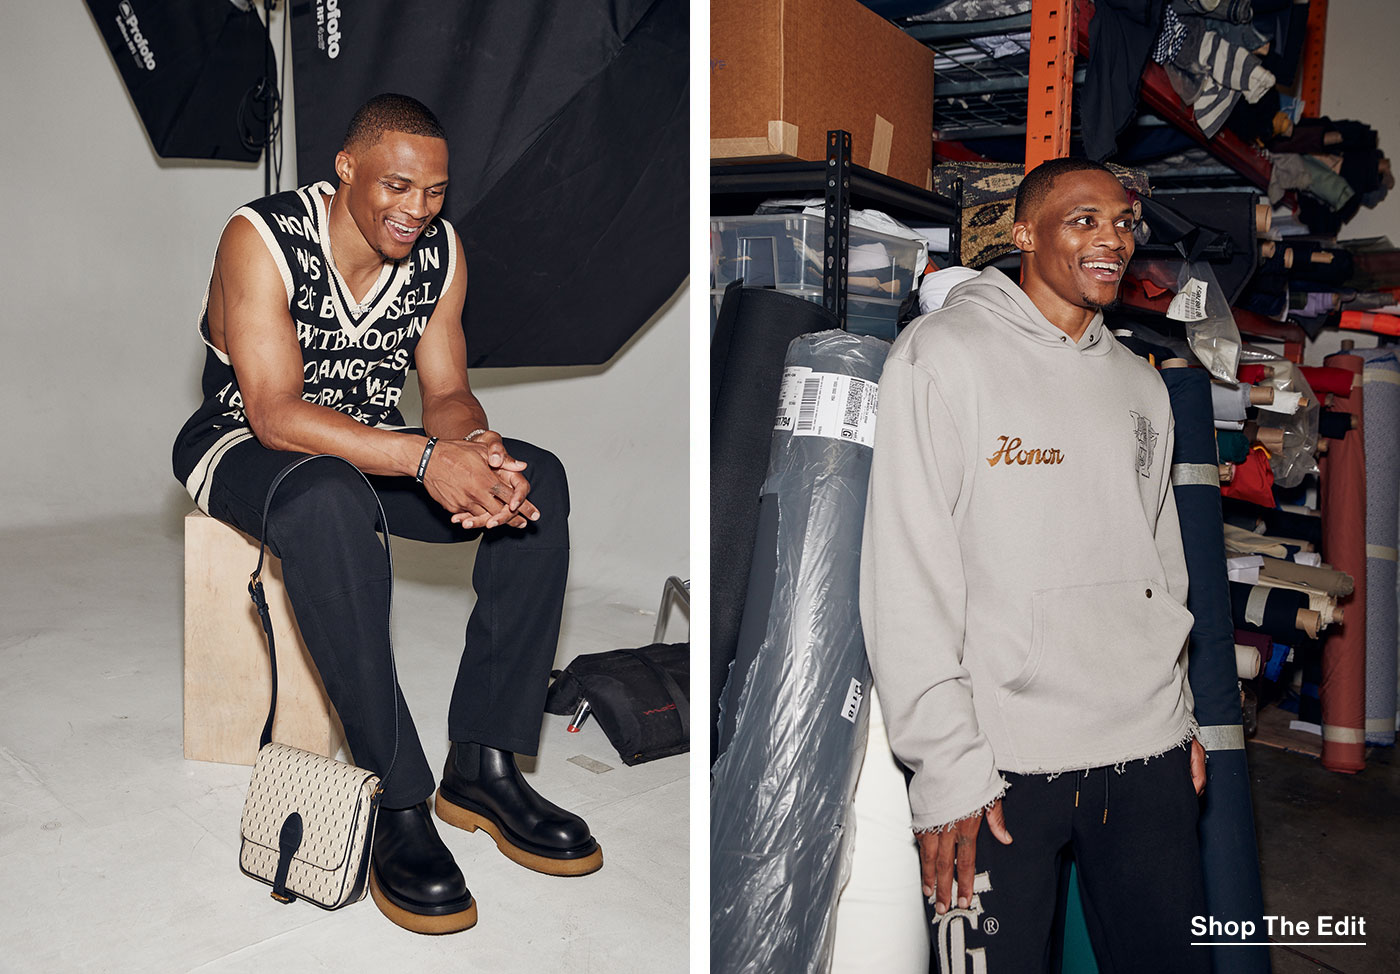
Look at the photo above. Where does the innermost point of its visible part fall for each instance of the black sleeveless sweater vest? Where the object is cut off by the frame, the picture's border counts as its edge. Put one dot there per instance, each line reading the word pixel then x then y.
pixel 355 356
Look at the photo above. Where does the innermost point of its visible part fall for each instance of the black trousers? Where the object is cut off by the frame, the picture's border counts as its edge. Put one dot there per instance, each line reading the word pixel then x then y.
pixel 322 527
pixel 1133 838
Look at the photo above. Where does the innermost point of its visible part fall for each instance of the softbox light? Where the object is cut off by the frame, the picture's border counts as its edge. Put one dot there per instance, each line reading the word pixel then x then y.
pixel 195 71
pixel 568 127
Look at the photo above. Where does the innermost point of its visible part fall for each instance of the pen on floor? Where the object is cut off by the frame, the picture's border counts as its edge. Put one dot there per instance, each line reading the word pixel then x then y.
pixel 579 717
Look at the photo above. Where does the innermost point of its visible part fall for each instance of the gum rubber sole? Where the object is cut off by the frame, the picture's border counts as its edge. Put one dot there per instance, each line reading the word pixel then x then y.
pixel 421 922
pixel 464 818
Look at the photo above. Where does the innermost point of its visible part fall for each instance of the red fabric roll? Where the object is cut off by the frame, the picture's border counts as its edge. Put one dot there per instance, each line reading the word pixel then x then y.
pixel 1258 640
pixel 1253 374
pixel 1329 379
pixel 1343 502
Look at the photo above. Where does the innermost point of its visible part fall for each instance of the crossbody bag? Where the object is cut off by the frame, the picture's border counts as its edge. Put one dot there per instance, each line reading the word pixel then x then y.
pixel 308 821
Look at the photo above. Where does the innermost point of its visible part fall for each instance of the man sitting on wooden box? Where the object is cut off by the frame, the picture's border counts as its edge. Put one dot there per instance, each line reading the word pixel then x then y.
pixel 1022 593
pixel 319 301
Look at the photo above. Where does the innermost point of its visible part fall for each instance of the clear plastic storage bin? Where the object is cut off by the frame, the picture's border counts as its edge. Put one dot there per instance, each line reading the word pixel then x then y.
pixel 785 250
pixel 864 316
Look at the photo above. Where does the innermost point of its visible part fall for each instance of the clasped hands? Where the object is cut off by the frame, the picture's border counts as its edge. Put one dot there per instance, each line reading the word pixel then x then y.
pixel 480 483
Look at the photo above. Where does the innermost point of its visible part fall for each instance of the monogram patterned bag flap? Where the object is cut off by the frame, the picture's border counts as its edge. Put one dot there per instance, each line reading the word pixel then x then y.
pixel 307 826
pixel 308 821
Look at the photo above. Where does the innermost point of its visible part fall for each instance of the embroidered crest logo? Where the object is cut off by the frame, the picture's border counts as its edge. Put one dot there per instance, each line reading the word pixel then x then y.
pixel 1146 442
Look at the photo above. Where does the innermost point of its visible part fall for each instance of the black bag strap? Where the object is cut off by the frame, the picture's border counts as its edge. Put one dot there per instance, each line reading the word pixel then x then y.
pixel 669 684
pixel 255 590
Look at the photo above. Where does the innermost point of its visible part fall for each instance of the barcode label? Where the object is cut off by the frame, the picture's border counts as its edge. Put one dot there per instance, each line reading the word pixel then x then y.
pixel 855 399
pixel 840 407
pixel 1189 303
pixel 807 408
pixel 790 397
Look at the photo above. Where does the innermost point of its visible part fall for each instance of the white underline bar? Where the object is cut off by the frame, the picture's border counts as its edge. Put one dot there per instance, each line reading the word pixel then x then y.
pixel 1278 943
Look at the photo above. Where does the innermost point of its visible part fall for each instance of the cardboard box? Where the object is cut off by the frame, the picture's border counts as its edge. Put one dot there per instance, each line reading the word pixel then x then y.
pixel 783 72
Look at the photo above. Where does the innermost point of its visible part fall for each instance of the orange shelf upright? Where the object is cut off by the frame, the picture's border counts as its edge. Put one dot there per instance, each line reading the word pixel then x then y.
pixel 1050 94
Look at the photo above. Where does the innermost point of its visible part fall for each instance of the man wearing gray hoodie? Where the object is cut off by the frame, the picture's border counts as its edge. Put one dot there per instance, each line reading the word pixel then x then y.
pixel 1022 594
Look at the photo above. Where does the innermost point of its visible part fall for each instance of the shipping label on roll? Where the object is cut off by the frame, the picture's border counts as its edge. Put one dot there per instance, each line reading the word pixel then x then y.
pixel 854 696
pixel 790 397
pixel 1189 303
pixel 839 407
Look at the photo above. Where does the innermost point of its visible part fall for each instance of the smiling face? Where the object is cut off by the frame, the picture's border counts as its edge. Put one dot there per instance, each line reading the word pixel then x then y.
pixel 393 189
pixel 1077 242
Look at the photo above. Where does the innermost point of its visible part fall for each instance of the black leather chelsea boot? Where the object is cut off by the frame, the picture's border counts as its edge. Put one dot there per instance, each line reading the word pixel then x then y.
pixel 483 789
pixel 414 880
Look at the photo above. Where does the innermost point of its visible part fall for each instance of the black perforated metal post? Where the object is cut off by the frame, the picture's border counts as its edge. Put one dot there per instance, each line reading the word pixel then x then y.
pixel 955 242
pixel 838 223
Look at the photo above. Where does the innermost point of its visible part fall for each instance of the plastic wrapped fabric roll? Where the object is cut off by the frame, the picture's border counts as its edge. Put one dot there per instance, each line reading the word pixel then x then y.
pixel 781 790
pixel 1342 686
pixel 1380 396
pixel 1229 854
pixel 1229 404
pixel 1290 436
pixel 752 334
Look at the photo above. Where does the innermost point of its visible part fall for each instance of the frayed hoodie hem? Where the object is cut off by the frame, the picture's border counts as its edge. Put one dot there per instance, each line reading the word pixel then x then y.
pixel 1121 765
pixel 946 826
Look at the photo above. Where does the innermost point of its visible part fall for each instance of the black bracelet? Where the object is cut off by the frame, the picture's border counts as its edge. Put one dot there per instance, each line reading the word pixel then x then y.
pixel 423 461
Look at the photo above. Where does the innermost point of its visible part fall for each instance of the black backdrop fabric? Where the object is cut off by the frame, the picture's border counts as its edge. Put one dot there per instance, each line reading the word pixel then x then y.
pixel 568 134
pixel 192 68
pixel 751 339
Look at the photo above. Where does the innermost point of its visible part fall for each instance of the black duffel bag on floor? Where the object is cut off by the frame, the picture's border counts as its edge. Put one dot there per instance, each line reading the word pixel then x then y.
pixel 640 697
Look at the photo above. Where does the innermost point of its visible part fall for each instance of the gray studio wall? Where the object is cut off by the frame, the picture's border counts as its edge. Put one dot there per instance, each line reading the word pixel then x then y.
pixel 105 263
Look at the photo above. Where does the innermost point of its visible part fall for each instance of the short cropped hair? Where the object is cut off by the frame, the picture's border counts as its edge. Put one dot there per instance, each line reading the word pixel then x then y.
pixel 1036 184
pixel 390 113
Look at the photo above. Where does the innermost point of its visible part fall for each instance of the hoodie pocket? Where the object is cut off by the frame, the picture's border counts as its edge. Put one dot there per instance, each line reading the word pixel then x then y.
pixel 1102 663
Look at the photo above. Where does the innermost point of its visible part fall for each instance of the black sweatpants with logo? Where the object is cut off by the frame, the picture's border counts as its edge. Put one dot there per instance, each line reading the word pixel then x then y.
pixel 1133 838
pixel 322 526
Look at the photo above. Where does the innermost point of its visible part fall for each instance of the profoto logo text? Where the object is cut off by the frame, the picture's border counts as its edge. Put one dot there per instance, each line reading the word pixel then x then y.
pixel 135 40
pixel 328 27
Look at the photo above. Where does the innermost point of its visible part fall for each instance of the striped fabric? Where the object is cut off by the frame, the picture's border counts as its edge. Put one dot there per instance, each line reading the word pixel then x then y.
pixel 1226 71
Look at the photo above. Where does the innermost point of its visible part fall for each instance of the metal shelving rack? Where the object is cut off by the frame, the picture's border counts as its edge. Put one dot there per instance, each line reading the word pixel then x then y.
pixel 738 189
pixel 1032 92
pixel 1029 92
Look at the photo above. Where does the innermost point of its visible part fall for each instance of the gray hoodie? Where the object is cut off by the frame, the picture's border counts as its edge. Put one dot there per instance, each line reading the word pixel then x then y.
pixel 1022 575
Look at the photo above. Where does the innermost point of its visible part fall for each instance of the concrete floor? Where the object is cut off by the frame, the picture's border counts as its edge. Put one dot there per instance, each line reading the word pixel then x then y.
pixel 119 855
pixel 1329 845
